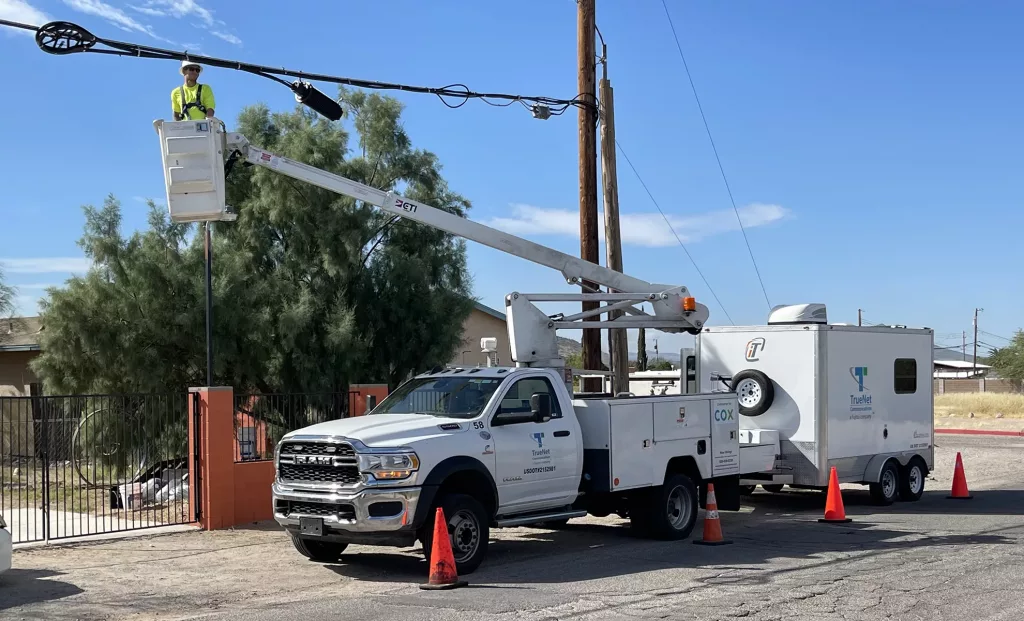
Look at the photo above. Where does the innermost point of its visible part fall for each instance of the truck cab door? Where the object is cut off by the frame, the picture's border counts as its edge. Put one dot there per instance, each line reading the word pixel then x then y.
pixel 536 464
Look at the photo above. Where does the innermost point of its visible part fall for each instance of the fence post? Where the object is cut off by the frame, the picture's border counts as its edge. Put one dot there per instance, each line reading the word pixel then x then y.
pixel 214 480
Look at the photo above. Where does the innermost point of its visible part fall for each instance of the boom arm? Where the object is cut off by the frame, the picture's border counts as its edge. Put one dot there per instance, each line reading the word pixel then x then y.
pixel 194 154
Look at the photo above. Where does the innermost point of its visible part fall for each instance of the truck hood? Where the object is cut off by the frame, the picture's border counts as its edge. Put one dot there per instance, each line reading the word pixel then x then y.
pixel 387 430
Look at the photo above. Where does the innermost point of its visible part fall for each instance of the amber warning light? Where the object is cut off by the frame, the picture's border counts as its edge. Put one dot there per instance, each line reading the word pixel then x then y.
pixel 689 304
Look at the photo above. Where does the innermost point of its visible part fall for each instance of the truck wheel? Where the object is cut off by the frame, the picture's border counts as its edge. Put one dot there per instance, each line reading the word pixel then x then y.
pixel 674 513
pixel 754 390
pixel 886 490
pixel 321 551
pixel 912 481
pixel 468 531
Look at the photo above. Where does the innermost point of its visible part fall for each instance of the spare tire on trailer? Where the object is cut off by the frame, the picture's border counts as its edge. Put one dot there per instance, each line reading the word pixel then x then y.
pixel 755 391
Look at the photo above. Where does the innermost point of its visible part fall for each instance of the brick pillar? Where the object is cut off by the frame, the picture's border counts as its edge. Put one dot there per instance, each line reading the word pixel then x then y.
pixel 216 482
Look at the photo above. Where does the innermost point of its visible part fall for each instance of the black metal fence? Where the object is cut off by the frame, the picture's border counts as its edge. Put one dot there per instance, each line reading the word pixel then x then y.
pixel 261 420
pixel 90 464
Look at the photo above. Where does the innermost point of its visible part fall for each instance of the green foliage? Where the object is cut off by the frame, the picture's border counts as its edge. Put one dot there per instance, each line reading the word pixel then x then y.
pixel 312 289
pixel 660 365
pixel 1008 361
pixel 6 296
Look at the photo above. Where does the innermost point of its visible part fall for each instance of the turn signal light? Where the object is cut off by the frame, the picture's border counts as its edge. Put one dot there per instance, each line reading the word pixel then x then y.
pixel 689 304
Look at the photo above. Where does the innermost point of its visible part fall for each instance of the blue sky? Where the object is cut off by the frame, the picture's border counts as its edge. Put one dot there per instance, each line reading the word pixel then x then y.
pixel 873 149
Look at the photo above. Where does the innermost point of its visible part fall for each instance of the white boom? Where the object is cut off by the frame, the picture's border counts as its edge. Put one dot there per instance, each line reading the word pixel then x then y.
pixel 194 154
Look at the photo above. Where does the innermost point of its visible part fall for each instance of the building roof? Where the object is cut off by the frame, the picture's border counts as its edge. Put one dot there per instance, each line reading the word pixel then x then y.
pixel 489 311
pixel 20 333
pixel 960 364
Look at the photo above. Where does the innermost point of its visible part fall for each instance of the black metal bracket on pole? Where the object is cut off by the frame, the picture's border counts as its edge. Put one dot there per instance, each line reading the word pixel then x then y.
pixel 209 305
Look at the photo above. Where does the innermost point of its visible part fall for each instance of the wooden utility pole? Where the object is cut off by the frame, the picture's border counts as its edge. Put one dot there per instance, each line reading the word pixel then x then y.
pixel 612 239
pixel 586 78
pixel 963 344
pixel 975 368
pixel 859 311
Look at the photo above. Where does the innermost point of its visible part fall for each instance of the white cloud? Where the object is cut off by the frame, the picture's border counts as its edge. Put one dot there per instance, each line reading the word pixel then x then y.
pixel 22 12
pixel 187 8
pixel 110 13
pixel 46 265
pixel 230 38
pixel 639 229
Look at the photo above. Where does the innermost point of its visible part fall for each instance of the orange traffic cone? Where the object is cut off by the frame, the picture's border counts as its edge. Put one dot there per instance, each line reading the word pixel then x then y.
pixel 959 491
pixel 835 513
pixel 712 523
pixel 442 561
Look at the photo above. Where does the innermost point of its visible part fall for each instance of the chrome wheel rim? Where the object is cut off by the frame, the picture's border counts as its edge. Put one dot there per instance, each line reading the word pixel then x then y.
pixel 915 479
pixel 465 535
pixel 749 393
pixel 889 483
pixel 677 509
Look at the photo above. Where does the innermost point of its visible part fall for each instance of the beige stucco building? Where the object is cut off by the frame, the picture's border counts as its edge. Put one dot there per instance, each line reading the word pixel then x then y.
pixel 482 322
pixel 19 344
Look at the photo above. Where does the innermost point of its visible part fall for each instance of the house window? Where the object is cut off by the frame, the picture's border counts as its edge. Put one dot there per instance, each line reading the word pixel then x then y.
pixel 905 376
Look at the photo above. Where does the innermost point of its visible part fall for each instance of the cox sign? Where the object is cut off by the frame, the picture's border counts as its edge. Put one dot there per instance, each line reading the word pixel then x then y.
pixel 724 415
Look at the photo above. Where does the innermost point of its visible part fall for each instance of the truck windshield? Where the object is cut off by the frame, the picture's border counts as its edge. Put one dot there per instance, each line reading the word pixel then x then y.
pixel 456 397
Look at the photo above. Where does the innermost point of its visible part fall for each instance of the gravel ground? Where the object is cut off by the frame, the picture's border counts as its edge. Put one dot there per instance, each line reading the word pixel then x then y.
pixel 937 559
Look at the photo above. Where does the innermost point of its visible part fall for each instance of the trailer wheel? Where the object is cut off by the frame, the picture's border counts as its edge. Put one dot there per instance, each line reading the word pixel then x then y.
pixel 886 490
pixel 912 480
pixel 674 513
pixel 754 390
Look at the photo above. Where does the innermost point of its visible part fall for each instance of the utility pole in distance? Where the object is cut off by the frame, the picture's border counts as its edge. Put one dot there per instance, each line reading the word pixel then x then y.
pixel 975 369
pixel 612 238
pixel 586 78
pixel 859 311
pixel 963 344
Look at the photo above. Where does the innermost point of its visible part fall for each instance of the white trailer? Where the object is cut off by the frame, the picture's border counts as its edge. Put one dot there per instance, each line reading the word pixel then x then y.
pixel 855 397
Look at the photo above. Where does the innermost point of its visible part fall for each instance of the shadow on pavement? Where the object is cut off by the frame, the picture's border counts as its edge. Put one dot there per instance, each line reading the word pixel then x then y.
pixel 781 526
pixel 19 587
pixel 859 502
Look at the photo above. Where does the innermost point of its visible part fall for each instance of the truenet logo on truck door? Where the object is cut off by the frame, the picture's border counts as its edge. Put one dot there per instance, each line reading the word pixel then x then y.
pixel 860 403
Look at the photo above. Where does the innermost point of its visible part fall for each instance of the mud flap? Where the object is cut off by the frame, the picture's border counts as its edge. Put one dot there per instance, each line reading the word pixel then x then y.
pixel 727 493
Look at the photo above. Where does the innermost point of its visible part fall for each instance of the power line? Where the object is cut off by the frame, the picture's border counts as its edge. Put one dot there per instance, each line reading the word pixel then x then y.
pixel 62 38
pixel 996 335
pixel 671 228
pixel 715 149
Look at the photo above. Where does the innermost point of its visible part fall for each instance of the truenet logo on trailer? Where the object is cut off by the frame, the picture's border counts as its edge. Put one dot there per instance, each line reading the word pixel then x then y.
pixel 754 346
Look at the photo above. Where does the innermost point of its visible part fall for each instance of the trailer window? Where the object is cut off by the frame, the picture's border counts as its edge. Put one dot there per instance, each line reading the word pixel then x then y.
pixel 905 376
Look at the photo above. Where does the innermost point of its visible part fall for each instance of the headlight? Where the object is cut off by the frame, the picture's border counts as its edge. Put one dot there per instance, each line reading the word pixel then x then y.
pixel 389 465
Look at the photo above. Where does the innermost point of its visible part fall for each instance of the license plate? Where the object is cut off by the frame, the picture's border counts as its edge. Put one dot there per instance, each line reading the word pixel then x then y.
pixel 311 526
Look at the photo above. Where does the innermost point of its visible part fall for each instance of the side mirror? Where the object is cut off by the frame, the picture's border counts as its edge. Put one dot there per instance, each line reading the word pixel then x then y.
pixel 540 407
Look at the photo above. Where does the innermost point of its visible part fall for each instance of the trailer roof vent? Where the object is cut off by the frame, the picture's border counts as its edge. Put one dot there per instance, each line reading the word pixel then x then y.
pixel 798 314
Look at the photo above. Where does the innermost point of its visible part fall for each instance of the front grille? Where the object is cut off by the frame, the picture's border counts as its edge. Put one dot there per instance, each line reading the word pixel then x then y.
pixel 341 511
pixel 318 448
pixel 341 475
pixel 337 465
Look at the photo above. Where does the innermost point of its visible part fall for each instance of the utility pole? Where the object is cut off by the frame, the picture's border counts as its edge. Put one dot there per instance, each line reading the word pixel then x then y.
pixel 975 369
pixel 586 78
pixel 859 312
pixel 612 238
pixel 963 344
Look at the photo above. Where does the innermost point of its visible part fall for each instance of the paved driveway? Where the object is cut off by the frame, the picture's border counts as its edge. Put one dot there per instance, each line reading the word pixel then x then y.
pixel 937 560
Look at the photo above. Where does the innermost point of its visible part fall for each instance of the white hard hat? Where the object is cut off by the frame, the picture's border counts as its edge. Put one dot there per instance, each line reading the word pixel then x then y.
pixel 189 63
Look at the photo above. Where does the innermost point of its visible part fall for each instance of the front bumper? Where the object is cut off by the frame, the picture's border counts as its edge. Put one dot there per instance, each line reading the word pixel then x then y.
pixel 369 516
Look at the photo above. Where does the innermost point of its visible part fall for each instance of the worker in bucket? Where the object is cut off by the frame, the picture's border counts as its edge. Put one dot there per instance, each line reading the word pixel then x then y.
pixel 192 100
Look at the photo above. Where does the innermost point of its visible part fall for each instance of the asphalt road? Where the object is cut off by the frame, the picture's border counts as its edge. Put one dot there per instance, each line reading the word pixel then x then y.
pixel 934 560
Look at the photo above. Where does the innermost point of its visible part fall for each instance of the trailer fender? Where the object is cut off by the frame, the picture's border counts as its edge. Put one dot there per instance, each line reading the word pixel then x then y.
pixel 873 471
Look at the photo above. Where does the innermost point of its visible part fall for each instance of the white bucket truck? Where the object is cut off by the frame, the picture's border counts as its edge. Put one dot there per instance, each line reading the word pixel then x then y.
pixel 492 446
